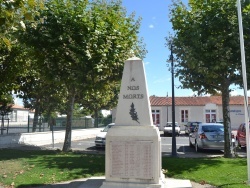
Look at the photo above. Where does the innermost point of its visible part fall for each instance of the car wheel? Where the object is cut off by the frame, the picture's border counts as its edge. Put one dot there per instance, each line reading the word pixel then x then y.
pixel 197 149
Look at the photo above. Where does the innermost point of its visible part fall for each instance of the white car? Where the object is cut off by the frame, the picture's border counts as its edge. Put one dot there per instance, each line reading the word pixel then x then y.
pixel 168 129
pixel 100 139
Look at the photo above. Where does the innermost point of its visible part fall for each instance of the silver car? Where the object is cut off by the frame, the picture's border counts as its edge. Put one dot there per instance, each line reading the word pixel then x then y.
pixel 207 136
pixel 100 139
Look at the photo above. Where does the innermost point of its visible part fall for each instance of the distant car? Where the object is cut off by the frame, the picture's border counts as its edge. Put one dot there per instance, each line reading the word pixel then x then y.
pixel 168 129
pixel 241 135
pixel 208 136
pixel 190 126
pixel 219 122
pixel 100 139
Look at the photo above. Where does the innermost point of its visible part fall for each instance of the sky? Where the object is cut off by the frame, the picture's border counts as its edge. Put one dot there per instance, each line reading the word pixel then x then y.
pixel 155 27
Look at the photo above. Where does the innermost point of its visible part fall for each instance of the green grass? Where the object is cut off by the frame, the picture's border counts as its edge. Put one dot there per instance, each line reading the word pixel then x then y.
pixel 33 168
pixel 221 172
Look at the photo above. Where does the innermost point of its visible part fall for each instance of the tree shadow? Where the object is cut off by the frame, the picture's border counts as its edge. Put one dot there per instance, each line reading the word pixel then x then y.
pixel 84 183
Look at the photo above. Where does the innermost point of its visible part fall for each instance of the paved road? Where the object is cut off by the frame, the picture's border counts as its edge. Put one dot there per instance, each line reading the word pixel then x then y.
pixel 182 147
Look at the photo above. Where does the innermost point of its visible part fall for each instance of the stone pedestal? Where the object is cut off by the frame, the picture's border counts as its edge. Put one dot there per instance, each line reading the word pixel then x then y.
pixel 133 145
pixel 133 157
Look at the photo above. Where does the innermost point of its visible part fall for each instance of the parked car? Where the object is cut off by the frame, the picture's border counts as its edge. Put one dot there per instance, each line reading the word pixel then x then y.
pixel 241 135
pixel 168 129
pixel 208 136
pixel 100 139
pixel 190 126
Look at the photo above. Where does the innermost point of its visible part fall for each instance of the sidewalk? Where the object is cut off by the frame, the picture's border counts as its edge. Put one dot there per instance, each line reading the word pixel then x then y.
pixel 96 182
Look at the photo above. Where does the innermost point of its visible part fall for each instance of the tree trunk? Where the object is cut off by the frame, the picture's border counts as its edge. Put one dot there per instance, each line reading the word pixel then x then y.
pixel 96 118
pixel 228 152
pixel 37 112
pixel 70 107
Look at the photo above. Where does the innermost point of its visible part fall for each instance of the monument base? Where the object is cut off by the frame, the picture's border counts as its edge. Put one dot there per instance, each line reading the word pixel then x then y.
pixel 109 184
pixel 133 158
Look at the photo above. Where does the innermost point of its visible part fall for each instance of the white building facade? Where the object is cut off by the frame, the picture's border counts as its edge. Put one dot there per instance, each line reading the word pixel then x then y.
pixel 203 109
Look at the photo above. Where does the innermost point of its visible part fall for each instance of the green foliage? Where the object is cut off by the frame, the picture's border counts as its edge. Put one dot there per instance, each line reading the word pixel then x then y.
pixel 79 111
pixel 206 44
pixel 12 56
pixel 12 14
pixel 80 46
pixel 6 102
pixel 12 65
pixel 107 120
pixel 207 49
pixel 95 99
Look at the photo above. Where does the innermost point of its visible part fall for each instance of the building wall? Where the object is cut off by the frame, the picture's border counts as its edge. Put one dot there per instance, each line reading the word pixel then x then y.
pixel 198 113
pixel 237 115
pixel 19 116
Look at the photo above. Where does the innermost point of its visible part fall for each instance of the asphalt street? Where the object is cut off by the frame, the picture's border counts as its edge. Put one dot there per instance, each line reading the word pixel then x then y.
pixel 182 147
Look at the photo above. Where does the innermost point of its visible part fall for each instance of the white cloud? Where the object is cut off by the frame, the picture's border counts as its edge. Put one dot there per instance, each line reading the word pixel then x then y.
pixel 151 26
pixel 239 92
pixel 234 93
pixel 146 63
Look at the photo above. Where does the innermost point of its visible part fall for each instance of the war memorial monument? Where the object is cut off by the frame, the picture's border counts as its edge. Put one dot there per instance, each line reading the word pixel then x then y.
pixel 133 145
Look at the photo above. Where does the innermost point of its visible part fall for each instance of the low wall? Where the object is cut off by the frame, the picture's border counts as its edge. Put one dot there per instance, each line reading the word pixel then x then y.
pixel 44 138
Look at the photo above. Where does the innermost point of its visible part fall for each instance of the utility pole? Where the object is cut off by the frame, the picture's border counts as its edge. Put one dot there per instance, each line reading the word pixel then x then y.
pixel 174 153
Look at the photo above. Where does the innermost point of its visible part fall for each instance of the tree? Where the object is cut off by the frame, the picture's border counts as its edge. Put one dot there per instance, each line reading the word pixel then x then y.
pixel 6 102
pixel 82 45
pixel 12 63
pixel 95 100
pixel 207 49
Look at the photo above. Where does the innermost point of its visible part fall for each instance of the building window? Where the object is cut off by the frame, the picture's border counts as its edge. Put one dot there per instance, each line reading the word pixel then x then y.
pixel 13 116
pixel 156 117
pixel 184 116
pixel 210 116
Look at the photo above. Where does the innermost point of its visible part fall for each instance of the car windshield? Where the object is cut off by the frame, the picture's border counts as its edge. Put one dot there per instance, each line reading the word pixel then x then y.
pixel 194 124
pixel 107 128
pixel 170 124
pixel 212 128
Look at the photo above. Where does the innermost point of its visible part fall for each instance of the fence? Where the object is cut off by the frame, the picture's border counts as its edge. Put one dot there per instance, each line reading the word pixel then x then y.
pixel 8 127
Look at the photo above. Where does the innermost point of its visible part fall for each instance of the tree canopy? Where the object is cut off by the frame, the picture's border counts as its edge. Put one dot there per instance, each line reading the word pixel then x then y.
pixel 12 61
pixel 81 46
pixel 207 49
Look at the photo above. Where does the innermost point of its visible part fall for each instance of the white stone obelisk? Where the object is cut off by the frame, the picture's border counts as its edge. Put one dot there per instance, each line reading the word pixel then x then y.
pixel 133 145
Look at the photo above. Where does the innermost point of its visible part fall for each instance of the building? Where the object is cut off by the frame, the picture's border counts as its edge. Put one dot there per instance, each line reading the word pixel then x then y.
pixel 19 115
pixel 204 109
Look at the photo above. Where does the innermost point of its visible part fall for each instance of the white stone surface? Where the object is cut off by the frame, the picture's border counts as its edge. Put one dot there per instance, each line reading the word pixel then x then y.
pixel 176 183
pixel 139 145
pixel 44 138
pixel 133 145
pixel 133 96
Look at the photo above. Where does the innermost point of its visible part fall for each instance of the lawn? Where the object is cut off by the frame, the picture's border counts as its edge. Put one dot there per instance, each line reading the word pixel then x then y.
pixel 33 168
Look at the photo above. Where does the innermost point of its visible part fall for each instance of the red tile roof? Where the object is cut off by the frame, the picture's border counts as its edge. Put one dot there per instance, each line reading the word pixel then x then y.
pixel 194 101
pixel 16 106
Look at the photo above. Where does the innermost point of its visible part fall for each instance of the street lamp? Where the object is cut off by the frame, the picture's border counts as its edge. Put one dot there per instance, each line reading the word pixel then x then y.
pixel 174 153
